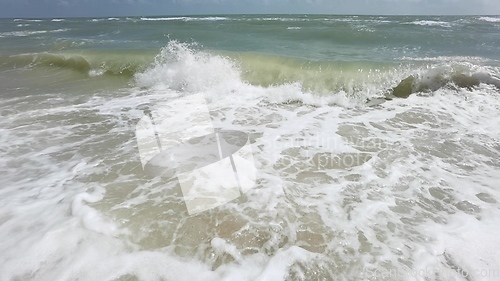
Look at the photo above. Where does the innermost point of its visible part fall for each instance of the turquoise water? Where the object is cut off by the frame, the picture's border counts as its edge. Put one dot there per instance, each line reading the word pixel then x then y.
pixel 375 146
pixel 312 37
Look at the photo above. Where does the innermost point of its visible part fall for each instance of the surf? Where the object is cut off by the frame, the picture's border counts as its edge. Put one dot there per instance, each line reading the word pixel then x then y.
pixel 115 62
pixel 182 67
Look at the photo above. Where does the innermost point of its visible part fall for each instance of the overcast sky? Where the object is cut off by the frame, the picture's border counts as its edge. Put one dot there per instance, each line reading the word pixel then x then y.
pixel 96 8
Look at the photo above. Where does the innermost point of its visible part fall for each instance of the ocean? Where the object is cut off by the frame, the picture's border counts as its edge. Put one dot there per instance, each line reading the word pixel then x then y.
pixel 250 147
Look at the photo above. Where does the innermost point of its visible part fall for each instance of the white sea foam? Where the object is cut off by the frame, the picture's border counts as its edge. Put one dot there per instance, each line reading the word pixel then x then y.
pixel 30 20
pixel 163 19
pixel 489 19
pixel 23 33
pixel 185 19
pixel 179 67
pixel 207 18
pixel 447 59
pixel 431 23
pixel 31 32
pixel 284 19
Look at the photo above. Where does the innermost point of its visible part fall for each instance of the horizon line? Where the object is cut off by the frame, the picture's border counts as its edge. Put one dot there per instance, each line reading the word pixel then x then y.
pixel 243 14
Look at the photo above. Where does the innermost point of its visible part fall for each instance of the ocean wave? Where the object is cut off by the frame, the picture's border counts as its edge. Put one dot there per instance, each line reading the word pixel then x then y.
pixel 489 19
pixel 30 32
pixel 185 19
pixel 29 20
pixel 179 67
pixel 88 63
pixel 22 33
pixel 207 19
pixel 104 19
pixel 182 68
pixel 431 23
pixel 455 59
pixel 379 21
pixel 163 19
pixel 279 19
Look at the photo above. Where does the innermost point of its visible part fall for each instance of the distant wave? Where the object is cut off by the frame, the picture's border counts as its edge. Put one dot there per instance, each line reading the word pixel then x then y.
pixel 431 23
pixel 30 32
pixel 278 19
pixel 163 19
pixel 379 21
pixel 30 20
pixel 185 19
pixel 207 19
pixel 489 19
pixel 103 19
pixel 22 33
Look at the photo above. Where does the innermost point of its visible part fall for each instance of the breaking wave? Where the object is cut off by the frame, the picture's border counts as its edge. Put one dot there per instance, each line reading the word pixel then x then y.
pixel 183 68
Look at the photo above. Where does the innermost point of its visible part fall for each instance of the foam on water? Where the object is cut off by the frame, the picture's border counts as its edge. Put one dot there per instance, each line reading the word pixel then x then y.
pixel 180 68
pixel 30 32
pixel 163 19
pixel 342 192
pixel 30 20
pixel 431 23
pixel 185 19
pixel 489 19
pixel 445 59
pixel 22 33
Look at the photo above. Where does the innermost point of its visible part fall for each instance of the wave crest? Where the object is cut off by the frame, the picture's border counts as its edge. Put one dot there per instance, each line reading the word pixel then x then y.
pixel 179 67
pixel 88 63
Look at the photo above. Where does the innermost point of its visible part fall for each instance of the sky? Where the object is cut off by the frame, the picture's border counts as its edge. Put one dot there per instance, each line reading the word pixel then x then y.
pixel 105 8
